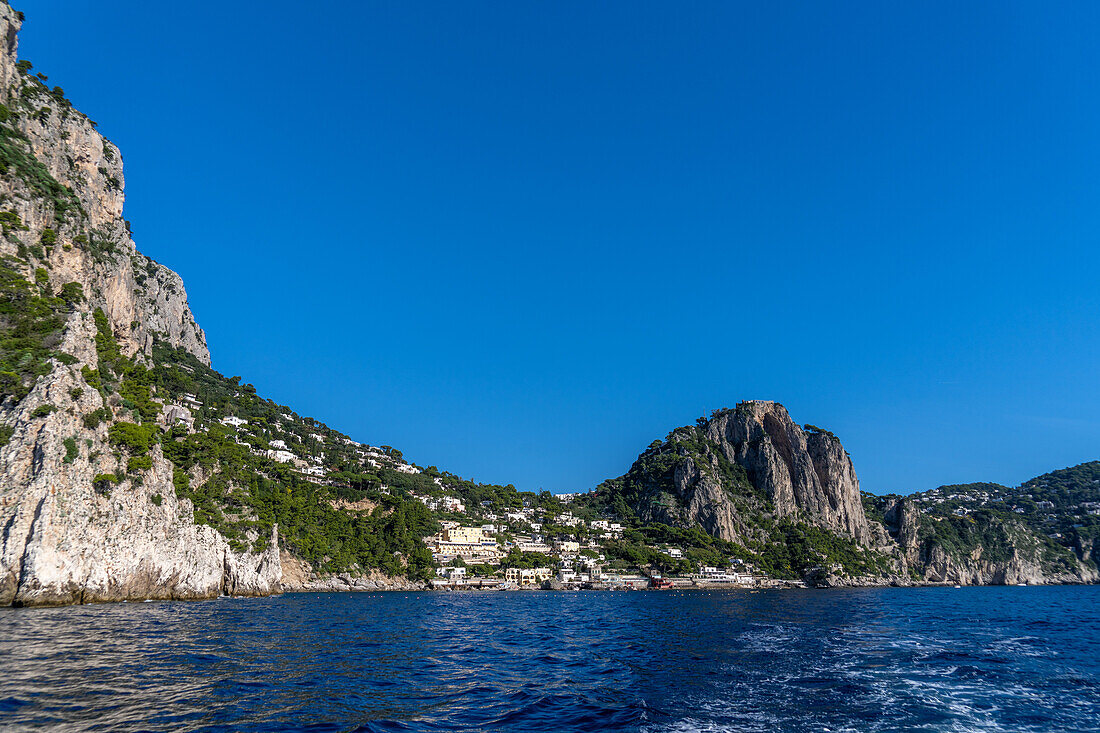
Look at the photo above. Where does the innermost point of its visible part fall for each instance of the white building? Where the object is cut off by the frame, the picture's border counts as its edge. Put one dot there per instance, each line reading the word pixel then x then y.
pixel 451 504
pixel 563 546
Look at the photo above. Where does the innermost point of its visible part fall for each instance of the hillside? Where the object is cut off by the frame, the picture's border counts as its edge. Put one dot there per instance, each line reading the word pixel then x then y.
pixel 786 499
pixel 1044 529
pixel 132 469
pixel 782 497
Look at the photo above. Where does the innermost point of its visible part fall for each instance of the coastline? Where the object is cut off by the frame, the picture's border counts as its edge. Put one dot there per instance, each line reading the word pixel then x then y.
pixel 352 584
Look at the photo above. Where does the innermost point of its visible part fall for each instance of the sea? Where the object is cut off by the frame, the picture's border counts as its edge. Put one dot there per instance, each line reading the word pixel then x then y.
pixel 884 659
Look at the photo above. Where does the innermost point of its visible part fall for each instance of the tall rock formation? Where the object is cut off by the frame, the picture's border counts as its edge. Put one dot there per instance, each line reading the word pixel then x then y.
pixel 723 473
pixel 66 536
pixel 804 473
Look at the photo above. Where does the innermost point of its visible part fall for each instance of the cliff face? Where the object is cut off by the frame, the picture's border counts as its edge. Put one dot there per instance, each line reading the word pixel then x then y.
pixel 140 296
pixel 981 550
pixel 741 473
pixel 64 536
pixel 749 460
pixel 804 474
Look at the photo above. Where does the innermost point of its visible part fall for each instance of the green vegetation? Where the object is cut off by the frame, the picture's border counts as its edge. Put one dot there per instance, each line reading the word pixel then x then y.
pixel 796 547
pixel 137 464
pixel 103 482
pixel 137 439
pixel 71 451
pixel 527 560
pixel 16 157
pixel 72 293
pixel 93 419
pixel 10 221
pixel 635 549
pixel 30 331
pixel 111 361
pixel 247 493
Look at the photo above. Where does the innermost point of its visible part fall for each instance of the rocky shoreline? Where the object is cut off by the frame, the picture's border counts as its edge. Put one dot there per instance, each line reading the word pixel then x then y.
pixel 379 583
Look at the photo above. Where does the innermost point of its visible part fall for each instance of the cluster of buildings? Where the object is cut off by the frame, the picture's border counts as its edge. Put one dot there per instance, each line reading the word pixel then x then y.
pixel 312 467
pixel 571 563
pixel 441 503
pixel 573 558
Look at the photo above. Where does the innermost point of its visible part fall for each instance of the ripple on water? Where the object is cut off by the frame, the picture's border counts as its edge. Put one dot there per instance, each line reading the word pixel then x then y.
pixel 858 660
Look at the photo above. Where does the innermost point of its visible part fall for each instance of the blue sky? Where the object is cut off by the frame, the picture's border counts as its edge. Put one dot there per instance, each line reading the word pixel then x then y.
pixel 519 241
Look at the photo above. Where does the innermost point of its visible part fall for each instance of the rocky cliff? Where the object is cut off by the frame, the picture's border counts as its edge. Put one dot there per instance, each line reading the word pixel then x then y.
pixel 803 473
pixel 981 547
pixel 788 498
pixel 80 518
pixel 752 458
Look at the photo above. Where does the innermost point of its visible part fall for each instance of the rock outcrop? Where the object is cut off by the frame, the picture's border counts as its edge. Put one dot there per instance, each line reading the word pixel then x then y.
pixel 732 475
pixel 299 577
pixel 1006 553
pixel 140 296
pixel 66 537
pixel 806 474
pixel 749 460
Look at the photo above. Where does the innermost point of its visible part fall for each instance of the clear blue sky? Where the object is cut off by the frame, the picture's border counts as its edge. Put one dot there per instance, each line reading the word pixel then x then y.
pixel 521 240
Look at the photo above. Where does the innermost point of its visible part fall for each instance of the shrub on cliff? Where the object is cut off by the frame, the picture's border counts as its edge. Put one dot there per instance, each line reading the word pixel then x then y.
pixel 71 451
pixel 103 482
pixel 133 437
pixel 30 328
pixel 137 464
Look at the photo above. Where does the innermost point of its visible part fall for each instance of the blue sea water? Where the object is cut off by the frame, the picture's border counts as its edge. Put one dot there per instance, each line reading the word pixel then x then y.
pixel 939 659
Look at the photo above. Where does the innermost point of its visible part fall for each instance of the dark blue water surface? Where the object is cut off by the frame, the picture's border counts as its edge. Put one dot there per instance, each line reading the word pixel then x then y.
pixel 972 659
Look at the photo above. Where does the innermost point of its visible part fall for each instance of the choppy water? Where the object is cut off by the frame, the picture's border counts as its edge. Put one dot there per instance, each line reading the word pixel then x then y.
pixel 975 659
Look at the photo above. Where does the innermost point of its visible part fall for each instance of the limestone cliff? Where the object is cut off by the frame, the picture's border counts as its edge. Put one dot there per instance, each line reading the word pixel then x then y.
pixel 786 498
pixel 980 549
pixel 65 535
pixel 804 473
pixel 749 459
pixel 140 296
